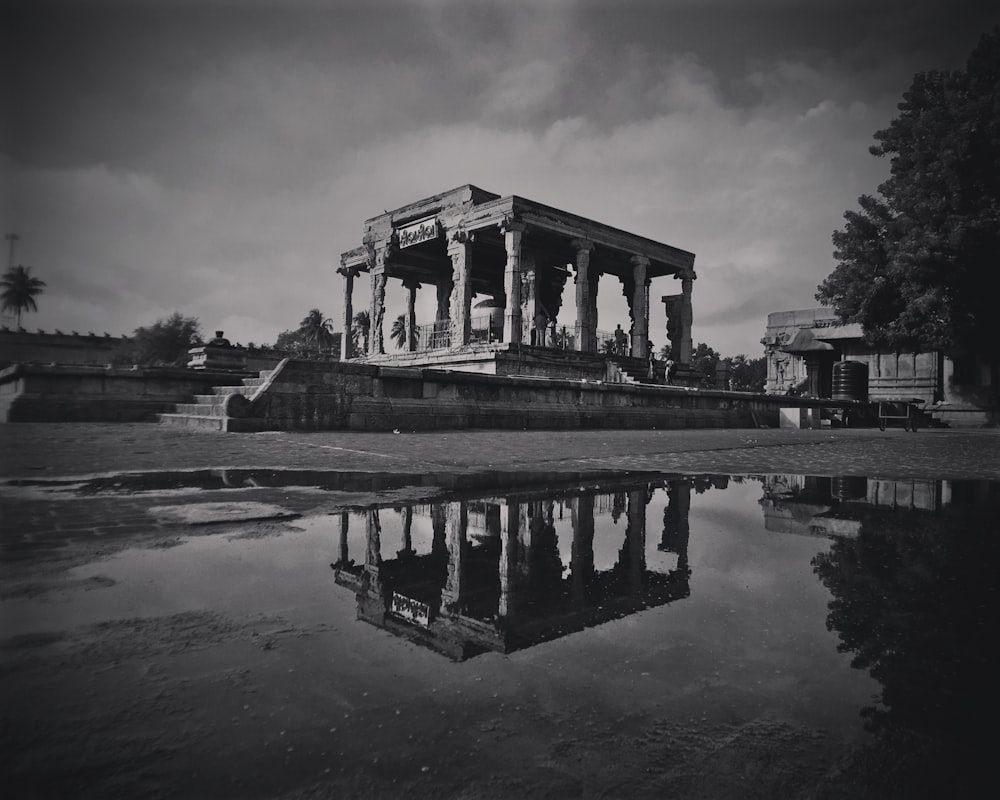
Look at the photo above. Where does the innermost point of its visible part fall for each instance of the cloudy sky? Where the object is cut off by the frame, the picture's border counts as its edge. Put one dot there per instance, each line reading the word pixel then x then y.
pixel 216 157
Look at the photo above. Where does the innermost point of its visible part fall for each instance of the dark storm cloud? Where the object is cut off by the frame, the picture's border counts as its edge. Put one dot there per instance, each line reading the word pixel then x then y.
pixel 216 157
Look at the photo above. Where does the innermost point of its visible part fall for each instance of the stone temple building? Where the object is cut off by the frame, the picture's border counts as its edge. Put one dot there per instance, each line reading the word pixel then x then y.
pixel 803 348
pixel 526 261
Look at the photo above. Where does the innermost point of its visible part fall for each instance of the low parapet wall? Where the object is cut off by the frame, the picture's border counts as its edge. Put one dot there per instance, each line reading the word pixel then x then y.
pixel 75 393
pixel 372 398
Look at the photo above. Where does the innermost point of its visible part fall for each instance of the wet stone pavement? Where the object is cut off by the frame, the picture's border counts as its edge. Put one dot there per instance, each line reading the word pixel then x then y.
pixel 715 614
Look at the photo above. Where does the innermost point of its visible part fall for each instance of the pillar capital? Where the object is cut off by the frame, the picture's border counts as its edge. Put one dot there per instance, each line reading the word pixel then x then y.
pixel 640 261
pixel 512 225
pixel 411 283
pixel 349 272
pixel 460 236
pixel 582 245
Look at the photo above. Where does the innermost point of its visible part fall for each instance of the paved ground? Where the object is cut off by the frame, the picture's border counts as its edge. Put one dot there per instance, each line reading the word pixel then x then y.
pixel 54 450
pixel 147 655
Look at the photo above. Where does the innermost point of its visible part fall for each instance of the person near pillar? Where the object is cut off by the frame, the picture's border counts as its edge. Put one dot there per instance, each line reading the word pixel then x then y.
pixel 651 358
pixel 620 338
pixel 541 323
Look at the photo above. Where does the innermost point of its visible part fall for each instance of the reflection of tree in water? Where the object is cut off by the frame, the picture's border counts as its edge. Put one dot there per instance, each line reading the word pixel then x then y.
pixel 915 600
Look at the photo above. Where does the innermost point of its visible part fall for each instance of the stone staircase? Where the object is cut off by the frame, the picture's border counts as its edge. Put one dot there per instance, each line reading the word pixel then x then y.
pixel 636 370
pixel 208 411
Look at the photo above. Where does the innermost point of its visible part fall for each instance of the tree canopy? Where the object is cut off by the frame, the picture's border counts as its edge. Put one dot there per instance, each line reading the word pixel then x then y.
pixel 313 339
pixel 165 343
pixel 18 290
pixel 919 261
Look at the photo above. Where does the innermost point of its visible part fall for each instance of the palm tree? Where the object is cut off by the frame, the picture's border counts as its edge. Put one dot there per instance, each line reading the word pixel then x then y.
pixel 398 332
pixel 360 330
pixel 20 290
pixel 317 330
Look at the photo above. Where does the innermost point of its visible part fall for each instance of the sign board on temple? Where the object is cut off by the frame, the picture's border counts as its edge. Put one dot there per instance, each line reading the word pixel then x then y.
pixel 417 232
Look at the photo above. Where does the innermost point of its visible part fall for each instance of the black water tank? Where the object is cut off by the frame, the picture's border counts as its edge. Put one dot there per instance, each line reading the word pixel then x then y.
pixel 850 380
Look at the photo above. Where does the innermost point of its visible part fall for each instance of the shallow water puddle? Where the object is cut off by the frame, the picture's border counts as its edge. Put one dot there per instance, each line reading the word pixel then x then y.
pixel 632 634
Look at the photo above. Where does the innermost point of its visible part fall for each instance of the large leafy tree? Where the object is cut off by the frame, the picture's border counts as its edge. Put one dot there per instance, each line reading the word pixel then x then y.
pixel 164 343
pixel 313 339
pixel 18 290
pixel 919 261
pixel 704 361
pixel 747 374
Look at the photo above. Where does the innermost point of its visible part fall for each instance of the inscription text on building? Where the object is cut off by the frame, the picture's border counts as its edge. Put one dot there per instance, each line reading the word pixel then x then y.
pixel 418 232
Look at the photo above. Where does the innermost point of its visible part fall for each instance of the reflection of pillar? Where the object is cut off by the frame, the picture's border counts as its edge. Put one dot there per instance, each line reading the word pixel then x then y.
pixel 512 232
pixel 439 543
pixel 373 548
pixel 407 532
pixel 583 546
pixel 344 522
pixel 640 306
pixel 457 522
pixel 509 549
pixel 585 327
pixel 491 515
pixel 635 539
pixel 346 337
pixel 676 529
pixel 459 248
pixel 410 317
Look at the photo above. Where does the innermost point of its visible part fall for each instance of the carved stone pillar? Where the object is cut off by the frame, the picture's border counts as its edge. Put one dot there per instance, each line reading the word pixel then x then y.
pixel 687 319
pixel 585 329
pixel 410 317
pixel 376 340
pixel 459 248
pixel 346 337
pixel 512 232
pixel 640 306
pixel 680 316
pixel 530 302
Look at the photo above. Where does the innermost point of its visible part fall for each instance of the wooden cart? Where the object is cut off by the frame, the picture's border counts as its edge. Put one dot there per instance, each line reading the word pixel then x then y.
pixel 899 408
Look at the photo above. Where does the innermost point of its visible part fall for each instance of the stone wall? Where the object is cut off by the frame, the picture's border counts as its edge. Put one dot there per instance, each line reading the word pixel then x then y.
pixel 72 393
pixel 57 347
pixel 348 396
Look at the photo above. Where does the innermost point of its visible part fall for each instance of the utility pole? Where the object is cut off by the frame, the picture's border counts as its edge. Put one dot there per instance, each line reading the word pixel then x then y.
pixel 12 238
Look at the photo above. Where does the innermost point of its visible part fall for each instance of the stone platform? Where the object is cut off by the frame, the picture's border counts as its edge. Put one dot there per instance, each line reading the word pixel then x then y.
pixel 308 395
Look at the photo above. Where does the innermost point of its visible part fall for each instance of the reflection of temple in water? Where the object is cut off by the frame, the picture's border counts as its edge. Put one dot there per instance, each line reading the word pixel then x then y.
pixel 824 506
pixel 495 576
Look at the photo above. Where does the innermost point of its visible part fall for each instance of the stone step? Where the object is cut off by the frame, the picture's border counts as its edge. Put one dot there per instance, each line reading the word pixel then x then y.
pixel 193 421
pixel 213 423
pixel 255 382
pixel 222 391
pixel 210 399
pixel 201 409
